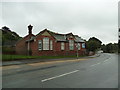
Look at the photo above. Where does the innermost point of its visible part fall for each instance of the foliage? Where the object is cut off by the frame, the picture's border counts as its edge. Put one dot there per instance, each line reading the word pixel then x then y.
pixel 9 37
pixel 110 48
pixel 119 46
pixel 96 40
pixel 8 50
pixel 93 44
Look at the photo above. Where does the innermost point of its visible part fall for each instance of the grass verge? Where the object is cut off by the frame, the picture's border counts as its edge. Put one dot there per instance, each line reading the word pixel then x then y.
pixel 21 57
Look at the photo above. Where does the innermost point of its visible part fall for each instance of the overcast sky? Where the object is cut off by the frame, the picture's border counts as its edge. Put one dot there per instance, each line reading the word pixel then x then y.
pixel 86 18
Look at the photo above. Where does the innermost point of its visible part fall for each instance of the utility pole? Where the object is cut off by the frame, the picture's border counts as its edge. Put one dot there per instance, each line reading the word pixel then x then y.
pixel 28 48
pixel 77 49
pixel 77 53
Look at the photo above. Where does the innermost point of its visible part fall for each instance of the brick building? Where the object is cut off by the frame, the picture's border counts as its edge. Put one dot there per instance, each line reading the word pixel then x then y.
pixel 50 43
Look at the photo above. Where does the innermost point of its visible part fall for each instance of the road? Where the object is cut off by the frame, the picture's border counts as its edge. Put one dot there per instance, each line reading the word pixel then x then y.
pixel 98 72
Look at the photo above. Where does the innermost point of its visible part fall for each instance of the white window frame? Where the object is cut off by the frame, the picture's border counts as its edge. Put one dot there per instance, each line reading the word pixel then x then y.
pixel 79 46
pixel 62 46
pixel 71 44
pixel 83 45
pixel 46 43
pixel 39 44
pixel 51 45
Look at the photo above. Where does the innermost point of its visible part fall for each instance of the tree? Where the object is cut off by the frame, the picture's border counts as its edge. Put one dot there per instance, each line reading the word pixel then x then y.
pixel 8 35
pixel 119 46
pixel 103 47
pixel 93 44
pixel 5 28
pixel 96 40
pixel 110 48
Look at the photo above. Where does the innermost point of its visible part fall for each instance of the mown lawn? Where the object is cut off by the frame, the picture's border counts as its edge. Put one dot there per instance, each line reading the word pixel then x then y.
pixel 21 57
pixel 15 57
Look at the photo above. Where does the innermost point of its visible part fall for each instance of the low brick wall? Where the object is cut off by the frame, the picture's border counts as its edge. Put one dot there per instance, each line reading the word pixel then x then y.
pixel 57 53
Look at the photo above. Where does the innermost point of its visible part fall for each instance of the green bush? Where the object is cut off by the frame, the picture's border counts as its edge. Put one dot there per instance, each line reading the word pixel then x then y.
pixel 8 50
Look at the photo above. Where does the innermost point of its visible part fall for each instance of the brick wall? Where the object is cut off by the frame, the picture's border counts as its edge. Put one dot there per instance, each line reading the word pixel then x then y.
pixel 56 48
pixel 21 46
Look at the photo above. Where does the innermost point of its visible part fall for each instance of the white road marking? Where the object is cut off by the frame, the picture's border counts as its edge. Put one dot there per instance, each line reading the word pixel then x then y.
pixel 105 61
pixel 59 76
pixel 18 70
pixel 94 64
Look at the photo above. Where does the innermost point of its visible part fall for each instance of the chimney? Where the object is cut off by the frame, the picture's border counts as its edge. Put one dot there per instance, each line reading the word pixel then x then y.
pixel 30 29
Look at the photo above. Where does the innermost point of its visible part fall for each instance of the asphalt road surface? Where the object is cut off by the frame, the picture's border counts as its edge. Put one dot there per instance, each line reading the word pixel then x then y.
pixel 98 72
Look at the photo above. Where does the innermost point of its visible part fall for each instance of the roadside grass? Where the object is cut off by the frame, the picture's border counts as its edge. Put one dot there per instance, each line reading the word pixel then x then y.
pixel 21 57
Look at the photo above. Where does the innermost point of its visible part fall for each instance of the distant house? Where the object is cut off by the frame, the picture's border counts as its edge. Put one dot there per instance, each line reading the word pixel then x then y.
pixel 50 43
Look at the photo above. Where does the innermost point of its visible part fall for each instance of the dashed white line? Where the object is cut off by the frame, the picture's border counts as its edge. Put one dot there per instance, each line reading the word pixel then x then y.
pixel 105 61
pixel 59 76
pixel 68 73
pixel 94 64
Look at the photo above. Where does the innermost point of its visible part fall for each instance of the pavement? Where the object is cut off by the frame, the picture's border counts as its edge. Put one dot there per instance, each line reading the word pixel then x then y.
pixel 98 72
pixel 26 61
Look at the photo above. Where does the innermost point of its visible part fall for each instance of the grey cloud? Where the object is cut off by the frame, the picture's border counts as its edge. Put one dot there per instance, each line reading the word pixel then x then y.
pixel 85 19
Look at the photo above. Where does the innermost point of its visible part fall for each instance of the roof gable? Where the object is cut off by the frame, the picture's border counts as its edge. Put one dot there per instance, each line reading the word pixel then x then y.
pixel 78 39
pixel 45 33
pixel 28 37
pixel 60 37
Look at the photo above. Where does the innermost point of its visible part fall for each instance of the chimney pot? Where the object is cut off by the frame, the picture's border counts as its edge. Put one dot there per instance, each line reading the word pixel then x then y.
pixel 30 29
